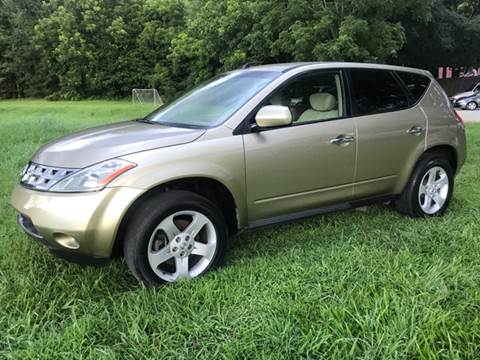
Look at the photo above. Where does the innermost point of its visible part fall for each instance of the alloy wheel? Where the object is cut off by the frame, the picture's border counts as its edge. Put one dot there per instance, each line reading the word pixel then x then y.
pixel 472 105
pixel 182 246
pixel 433 190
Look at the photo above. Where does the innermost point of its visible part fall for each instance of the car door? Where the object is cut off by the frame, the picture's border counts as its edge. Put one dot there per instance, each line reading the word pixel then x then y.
pixel 309 163
pixel 390 130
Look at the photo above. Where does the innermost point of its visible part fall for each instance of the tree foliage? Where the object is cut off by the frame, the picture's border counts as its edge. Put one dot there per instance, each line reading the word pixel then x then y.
pixel 72 49
pixel 17 56
pixel 450 38
pixel 223 34
pixel 101 48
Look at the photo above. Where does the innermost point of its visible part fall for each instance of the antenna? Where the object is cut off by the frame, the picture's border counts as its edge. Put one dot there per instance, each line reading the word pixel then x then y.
pixel 246 66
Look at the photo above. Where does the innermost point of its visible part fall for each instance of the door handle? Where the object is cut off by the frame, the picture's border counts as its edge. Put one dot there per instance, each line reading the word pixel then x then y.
pixel 342 139
pixel 415 130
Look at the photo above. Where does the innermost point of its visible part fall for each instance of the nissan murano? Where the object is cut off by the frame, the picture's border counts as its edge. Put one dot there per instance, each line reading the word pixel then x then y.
pixel 252 147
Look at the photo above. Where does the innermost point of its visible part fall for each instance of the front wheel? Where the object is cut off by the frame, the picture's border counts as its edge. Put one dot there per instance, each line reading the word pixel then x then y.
pixel 176 235
pixel 429 189
pixel 472 105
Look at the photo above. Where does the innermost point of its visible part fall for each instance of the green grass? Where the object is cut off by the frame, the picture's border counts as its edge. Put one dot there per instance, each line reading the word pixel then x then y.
pixel 355 284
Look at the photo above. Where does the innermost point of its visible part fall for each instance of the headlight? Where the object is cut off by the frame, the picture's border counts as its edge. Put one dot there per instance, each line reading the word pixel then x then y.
pixel 93 178
pixel 24 170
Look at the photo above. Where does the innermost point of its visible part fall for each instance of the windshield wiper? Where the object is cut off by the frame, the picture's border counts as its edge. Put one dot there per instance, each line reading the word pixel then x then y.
pixel 144 120
pixel 147 121
pixel 170 124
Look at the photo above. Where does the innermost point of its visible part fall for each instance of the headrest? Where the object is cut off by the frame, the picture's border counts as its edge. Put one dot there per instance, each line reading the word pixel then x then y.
pixel 323 101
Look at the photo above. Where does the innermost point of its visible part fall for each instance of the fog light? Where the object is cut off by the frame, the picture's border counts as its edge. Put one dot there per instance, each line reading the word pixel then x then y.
pixel 66 241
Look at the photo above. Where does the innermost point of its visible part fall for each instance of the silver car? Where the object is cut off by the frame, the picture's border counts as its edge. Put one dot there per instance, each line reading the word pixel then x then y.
pixel 469 100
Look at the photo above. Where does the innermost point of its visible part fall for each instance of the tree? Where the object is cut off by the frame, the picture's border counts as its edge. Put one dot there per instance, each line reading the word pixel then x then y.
pixel 17 56
pixel 449 38
pixel 222 34
pixel 103 48
pixel 73 49
pixel 469 8
pixel 84 46
pixel 162 20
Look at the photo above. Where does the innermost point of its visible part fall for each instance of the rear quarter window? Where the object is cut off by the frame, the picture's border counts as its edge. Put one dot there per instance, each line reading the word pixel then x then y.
pixel 376 91
pixel 416 83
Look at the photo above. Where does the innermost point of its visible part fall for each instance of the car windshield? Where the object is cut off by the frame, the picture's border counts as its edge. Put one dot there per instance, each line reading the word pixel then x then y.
pixel 213 103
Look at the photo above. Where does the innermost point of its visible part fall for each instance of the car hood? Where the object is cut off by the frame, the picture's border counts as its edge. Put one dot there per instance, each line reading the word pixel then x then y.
pixel 91 146
pixel 464 94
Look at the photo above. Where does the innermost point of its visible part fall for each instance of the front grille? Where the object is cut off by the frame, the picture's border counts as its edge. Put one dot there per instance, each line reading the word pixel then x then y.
pixel 41 177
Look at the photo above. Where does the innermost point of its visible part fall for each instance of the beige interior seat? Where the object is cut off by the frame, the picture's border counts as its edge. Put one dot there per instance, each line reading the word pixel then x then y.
pixel 322 106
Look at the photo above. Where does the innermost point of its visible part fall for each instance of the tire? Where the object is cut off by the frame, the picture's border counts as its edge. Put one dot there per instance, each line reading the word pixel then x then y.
pixel 183 232
pixel 472 105
pixel 419 192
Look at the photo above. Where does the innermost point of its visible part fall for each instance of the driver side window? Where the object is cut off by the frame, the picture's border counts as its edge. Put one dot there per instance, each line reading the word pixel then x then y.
pixel 311 97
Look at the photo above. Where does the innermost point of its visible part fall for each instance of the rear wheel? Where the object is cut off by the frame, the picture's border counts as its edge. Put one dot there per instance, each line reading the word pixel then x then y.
pixel 176 235
pixel 429 189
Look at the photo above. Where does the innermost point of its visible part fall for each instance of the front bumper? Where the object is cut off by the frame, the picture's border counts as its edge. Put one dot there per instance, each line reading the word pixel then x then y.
pixel 79 226
pixel 78 258
pixel 458 103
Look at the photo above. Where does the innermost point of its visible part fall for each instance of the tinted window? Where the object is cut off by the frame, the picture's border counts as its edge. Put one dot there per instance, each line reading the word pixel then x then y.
pixel 376 91
pixel 311 97
pixel 417 84
pixel 213 103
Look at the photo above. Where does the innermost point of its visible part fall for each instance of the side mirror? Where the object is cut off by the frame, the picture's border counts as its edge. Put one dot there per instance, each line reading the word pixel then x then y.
pixel 273 115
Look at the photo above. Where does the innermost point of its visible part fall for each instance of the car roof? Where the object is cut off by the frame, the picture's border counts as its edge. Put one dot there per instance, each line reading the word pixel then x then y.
pixel 285 67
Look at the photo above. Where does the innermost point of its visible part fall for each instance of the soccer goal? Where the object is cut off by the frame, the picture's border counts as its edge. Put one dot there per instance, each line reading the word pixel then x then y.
pixel 146 96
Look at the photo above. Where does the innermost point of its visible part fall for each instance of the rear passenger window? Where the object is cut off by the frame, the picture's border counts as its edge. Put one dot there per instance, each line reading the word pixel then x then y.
pixel 417 84
pixel 376 91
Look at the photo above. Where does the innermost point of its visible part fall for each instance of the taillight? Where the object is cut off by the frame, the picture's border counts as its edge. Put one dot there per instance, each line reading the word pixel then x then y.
pixel 459 118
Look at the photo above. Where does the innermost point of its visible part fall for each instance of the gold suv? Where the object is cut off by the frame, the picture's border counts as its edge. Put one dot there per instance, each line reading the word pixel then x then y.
pixel 250 148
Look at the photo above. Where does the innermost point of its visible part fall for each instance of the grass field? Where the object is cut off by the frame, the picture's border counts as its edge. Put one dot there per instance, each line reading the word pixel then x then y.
pixel 355 284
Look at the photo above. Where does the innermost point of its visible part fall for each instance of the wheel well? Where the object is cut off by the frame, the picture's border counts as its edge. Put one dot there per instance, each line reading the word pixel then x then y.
pixel 213 190
pixel 448 151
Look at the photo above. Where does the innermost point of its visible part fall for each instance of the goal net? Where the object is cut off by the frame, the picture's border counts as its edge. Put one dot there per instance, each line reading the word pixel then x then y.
pixel 146 96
